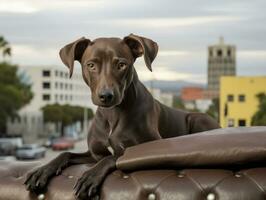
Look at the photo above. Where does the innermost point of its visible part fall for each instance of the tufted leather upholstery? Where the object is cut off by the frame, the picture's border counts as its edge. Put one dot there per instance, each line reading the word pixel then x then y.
pixel 236 183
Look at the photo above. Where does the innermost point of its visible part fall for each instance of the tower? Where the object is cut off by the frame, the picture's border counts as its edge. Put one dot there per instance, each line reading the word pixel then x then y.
pixel 221 62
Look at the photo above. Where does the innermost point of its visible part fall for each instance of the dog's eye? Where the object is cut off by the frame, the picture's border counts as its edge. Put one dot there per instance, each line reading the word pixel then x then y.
pixel 121 66
pixel 91 66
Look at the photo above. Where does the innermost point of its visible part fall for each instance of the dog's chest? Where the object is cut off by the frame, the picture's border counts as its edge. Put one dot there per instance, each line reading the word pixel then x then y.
pixel 109 147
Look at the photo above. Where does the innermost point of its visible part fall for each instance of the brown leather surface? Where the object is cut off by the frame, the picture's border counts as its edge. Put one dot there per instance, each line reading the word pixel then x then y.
pixel 188 184
pixel 12 176
pixel 217 148
pixel 175 184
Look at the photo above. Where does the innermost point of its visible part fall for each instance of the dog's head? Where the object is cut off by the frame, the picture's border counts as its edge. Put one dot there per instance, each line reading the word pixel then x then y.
pixel 107 64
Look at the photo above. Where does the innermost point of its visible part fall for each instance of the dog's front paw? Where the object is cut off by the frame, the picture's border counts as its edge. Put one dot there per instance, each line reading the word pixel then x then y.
pixel 36 181
pixel 88 186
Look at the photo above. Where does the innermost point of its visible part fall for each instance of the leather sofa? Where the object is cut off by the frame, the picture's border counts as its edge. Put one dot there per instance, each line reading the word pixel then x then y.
pixel 222 164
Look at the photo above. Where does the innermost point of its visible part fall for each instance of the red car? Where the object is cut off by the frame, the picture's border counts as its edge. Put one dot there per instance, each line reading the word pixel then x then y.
pixel 63 144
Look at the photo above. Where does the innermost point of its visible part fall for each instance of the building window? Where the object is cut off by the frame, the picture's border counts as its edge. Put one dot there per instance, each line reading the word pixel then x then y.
pixel 210 53
pixel 46 85
pixel 242 122
pixel 241 98
pixel 56 73
pixel 46 97
pixel 61 74
pixel 230 98
pixel 229 53
pixel 61 85
pixel 56 85
pixel 230 122
pixel 25 119
pixel 46 73
pixel 61 97
pixel 220 53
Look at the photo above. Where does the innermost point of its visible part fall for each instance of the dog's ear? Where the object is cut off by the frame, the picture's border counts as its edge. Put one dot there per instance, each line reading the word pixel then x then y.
pixel 72 52
pixel 142 46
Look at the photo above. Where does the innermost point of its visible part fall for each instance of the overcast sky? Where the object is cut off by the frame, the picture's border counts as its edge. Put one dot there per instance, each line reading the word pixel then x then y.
pixel 37 29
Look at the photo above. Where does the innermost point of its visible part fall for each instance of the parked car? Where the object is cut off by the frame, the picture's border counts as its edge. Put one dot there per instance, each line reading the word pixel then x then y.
pixel 30 151
pixel 63 144
pixel 50 140
pixel 9 144
pixel 7 148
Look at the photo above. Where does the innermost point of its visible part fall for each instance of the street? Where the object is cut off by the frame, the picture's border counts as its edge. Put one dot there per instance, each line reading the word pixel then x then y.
pixel 80 146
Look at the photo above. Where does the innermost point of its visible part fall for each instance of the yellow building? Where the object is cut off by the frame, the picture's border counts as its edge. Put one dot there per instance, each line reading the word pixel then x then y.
pixel 238 101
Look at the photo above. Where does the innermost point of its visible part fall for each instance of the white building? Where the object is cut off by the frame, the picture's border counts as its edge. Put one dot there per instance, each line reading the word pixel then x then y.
pixel 165 98
pixel 49 85
pixel 200 104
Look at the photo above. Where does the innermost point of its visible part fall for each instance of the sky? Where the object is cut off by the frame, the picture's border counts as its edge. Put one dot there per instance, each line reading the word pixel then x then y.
pixel 37 29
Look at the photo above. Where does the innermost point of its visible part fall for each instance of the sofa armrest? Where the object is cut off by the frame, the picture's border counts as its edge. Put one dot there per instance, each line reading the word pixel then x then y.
pixel 229 147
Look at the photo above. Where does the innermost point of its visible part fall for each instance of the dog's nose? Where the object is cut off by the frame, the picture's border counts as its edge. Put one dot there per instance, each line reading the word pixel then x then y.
pixel 106 96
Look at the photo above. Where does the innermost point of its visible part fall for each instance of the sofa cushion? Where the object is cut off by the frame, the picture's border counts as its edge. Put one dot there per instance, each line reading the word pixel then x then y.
pixel 222 148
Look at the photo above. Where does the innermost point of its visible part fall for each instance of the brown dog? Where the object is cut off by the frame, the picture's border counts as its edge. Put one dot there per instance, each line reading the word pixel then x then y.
pixel 127 114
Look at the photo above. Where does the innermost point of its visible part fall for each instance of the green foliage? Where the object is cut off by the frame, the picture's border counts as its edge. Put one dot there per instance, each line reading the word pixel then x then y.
pixel 178 103
pixel 213 110
pixel 65 114
pixel 259 118
pixel 4 47
pixel 14 94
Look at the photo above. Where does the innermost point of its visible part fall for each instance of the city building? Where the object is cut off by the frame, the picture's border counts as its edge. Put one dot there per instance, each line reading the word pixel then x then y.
pixel 238 101
pixel 49 85
pixel 221 62
pixel 192 93
pixel 194 98
pixel 165 98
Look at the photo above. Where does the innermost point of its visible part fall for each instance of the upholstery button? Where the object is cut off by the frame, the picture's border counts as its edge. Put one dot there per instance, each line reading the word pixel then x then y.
pixel 125 176
pixel 210 196
pixel 151 196
pixel 238 175
pixel 180 175
pixel 41 197
pixel 70 176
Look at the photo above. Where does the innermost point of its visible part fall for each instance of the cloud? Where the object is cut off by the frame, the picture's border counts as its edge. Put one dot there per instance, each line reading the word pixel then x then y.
pixel 183 29
pixel 173 53
pixel 17 7
pixel 32 6
pixel 257 54
pixel 162 74
pixel 172 22
pixel 30 55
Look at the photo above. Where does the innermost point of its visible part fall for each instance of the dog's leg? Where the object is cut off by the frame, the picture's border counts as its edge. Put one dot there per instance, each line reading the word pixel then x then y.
pixel 88 186
pixel 37 180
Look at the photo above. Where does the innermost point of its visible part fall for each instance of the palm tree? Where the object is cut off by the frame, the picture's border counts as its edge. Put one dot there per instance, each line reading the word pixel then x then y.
pixel 4 47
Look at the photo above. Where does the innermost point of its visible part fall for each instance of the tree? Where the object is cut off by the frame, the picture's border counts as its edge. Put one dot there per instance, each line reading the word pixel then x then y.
pixel 14 93
pixel 64 114
pixel 213 110
pixel 259 118
pixel 178 103
pixel 4 47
